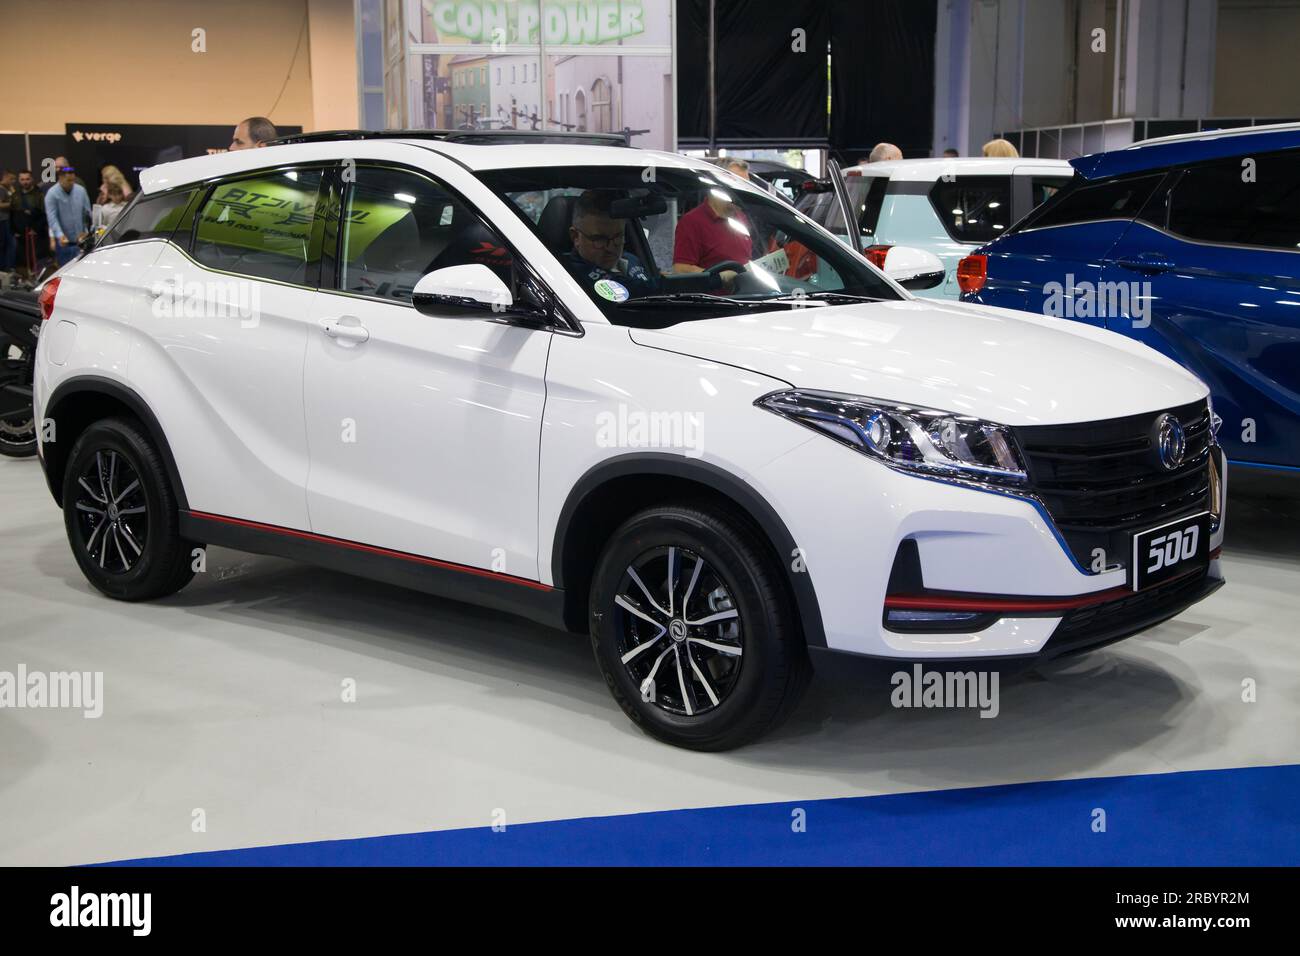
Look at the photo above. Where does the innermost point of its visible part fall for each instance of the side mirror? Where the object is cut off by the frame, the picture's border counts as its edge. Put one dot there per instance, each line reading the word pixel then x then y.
pixel 459 290
pixel 914 269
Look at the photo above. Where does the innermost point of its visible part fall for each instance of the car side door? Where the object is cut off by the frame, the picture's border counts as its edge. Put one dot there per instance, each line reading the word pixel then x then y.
pixel 1051 262
pixel 424 430
pixel 219 355
pixel 1212 273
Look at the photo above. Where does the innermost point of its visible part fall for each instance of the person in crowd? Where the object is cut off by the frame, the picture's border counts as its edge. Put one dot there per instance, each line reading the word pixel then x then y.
pixel 111 174
pixel 714 231
pixel 8 246
pixel 598 260
pixel 27 218
pixel 951 153
pixel 1001 149
pixel 884 152
pixel 67 209
pixel 59 163
pixel 736 165
pixel 102 215
pixel 253 132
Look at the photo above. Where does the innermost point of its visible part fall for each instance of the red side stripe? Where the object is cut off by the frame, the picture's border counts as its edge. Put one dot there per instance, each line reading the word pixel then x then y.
pixel 371 549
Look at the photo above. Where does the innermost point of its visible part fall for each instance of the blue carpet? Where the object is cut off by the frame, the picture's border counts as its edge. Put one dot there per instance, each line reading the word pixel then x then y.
pixel 1242 817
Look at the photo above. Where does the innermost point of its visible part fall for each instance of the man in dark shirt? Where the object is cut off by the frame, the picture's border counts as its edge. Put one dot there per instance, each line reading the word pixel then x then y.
pixel 27 215
pixel 597 259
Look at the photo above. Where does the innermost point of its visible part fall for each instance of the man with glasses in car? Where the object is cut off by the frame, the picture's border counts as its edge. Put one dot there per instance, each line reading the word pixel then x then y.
pixel 598 260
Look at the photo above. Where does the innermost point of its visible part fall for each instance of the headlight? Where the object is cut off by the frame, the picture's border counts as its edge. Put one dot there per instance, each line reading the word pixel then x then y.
pixel 915 439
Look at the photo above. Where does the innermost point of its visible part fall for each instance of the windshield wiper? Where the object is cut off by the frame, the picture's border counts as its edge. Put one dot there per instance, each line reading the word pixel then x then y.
pixel 839 297
pixel 695 298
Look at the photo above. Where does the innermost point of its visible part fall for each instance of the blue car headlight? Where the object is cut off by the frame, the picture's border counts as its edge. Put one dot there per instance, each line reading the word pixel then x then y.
pixel 922 440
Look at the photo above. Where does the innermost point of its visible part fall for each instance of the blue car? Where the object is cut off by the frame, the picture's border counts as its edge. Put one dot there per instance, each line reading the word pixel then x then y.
pixel 1189 244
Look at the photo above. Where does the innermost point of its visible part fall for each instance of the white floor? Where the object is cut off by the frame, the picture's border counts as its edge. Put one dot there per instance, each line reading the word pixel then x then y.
pixel 227 697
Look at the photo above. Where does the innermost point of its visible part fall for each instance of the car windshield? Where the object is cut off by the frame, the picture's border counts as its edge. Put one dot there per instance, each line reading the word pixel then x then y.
pixel 653 247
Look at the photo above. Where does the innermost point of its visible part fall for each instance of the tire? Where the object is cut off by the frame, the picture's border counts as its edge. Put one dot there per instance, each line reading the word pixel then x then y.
pixel 142 556
pixel 17 432
pixel 727 698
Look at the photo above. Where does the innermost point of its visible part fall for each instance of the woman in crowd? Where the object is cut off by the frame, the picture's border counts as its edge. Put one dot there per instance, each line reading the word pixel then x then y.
pixel 1000 148
pixel 112 175
pixel 103 214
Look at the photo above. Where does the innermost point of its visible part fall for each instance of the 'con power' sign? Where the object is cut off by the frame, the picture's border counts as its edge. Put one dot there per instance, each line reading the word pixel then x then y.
pixel 574 23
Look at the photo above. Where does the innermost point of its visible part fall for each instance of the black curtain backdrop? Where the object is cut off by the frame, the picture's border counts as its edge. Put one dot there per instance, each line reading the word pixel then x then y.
pixel 882 77
pixel 882 74
pixel 693 71
pixel 767 92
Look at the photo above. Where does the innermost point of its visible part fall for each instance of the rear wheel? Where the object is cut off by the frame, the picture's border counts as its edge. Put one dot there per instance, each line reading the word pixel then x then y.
pixel 693 630
pixel 17 421
pixel 120 514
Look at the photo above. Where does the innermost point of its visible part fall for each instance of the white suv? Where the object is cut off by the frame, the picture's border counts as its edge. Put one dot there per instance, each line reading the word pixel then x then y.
pixel 472 370
pixel 949 207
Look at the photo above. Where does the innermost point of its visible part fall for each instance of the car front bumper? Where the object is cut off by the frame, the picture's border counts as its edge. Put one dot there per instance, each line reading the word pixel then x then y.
pixel 1001 553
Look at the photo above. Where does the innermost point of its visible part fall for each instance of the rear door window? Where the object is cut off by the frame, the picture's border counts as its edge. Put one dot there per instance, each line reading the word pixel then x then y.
pixel 262 226
pixel 973 208
pixel 1229 203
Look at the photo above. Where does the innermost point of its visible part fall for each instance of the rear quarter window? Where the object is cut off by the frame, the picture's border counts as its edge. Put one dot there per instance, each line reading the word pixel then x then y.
pixel 1094 202
pixel 973 208
pixel 149 217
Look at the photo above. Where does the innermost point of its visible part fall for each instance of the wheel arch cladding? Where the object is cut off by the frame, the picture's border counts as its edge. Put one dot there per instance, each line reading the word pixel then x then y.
pixel 80 402
pixel 614 490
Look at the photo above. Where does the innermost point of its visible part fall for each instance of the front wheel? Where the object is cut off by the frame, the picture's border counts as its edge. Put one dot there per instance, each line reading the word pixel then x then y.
pixel 120 513
pixel 693 630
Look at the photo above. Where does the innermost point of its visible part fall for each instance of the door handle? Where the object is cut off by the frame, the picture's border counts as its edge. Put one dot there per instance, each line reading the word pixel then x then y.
pixel 345 329
pixel 1146 262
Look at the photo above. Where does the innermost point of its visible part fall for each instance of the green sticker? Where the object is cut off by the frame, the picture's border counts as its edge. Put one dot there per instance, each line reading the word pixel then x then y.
pixel 611 290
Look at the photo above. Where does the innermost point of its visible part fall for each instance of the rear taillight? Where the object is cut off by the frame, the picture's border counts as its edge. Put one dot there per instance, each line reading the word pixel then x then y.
pixel 876 255
pixel 972 273
pixel 46 298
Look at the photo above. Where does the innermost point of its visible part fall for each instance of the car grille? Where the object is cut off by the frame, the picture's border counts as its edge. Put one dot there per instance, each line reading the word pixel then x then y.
pixel 1101 481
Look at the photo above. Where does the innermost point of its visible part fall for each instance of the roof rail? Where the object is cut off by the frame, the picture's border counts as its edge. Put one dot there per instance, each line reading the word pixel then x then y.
pixel 477 137
pixel 1218 133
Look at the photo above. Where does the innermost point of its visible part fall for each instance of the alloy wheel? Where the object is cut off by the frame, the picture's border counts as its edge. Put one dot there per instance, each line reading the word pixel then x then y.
pixel 680 634
pixel 112 514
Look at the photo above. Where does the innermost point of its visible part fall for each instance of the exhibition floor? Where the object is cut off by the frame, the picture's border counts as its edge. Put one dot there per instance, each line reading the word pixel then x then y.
pixel 227 699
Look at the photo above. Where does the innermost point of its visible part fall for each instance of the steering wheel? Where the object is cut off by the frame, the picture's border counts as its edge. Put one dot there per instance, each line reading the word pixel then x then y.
pixel 715 273
pixel 730 265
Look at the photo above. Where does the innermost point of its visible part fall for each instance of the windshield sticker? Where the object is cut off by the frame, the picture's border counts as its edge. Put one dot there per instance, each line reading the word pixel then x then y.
pixel 611 290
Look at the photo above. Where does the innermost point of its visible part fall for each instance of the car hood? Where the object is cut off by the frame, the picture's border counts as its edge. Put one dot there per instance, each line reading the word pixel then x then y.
pixel 1011 367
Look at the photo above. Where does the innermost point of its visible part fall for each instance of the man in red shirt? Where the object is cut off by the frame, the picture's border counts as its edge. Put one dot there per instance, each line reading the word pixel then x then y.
pixel 714 231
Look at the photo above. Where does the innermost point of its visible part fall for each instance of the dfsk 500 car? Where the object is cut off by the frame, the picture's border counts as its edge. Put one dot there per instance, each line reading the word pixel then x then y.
pixel 618 392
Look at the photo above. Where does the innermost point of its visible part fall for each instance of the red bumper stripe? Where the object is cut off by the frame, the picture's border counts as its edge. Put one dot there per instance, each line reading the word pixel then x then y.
pixel 1010 605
